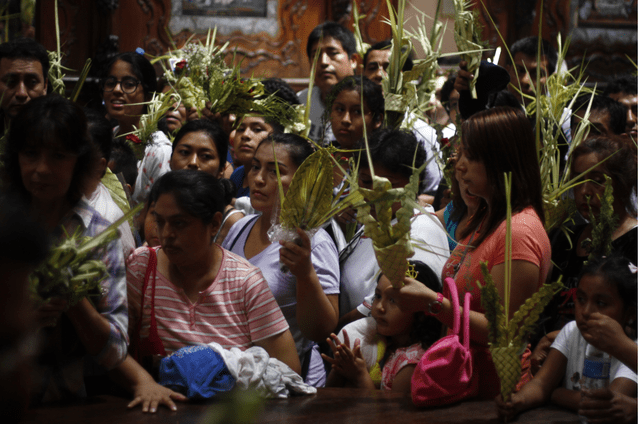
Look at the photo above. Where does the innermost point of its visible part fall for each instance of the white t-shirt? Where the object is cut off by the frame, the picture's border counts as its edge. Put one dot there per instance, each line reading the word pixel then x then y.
pixel 153 165
pixel 101 201
pixel 429 139
pixel 366 330
pixel 572 345
pixel 359 271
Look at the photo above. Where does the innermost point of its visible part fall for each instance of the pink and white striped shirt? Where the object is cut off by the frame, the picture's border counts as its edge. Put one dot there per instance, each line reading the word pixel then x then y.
pixel 236 310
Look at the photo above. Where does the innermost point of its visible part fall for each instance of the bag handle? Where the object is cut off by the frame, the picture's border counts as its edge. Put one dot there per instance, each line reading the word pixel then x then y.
pixel 151 269
pixel 453 292
pixel 465 322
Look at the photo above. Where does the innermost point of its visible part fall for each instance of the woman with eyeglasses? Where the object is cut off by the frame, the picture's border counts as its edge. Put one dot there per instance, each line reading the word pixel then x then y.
pixel 128 82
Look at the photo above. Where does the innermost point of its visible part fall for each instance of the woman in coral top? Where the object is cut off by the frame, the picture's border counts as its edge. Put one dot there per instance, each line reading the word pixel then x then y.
pixel 494 142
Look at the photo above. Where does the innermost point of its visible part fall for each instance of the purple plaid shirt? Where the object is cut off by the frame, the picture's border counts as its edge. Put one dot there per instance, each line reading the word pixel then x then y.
pixel 64 368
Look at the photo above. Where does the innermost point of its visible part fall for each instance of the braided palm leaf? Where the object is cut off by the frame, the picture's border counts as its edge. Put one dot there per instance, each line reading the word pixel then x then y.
pixel 309 196
pixel 391 243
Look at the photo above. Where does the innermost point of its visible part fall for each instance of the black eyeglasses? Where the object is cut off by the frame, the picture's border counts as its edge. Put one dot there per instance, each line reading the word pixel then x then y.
pixel 127 84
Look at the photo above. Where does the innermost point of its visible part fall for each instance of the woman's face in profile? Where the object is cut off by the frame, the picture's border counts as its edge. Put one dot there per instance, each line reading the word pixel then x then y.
pixel 184 238
pixel 47 170
pixel 473 175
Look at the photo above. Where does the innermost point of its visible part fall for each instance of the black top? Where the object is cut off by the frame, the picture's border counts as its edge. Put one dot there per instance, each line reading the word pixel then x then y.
pixel 568 264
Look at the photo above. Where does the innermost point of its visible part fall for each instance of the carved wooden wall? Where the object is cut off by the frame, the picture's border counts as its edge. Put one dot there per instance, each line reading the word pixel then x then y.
pixel 285 55
pixel 604 44
pixel 89 30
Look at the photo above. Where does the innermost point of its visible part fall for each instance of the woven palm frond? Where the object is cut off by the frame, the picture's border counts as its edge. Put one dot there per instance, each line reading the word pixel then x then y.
pixel 391 242
pixel 508 367
pixel 309 196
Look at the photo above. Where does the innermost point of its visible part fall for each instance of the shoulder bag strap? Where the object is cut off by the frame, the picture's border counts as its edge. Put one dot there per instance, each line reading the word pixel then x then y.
pixel 465 321
pixel 235 240
pixel 151 268
pixel 453 292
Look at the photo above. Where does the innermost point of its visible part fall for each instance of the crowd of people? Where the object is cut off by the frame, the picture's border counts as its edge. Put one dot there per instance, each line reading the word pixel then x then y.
pixel 197 264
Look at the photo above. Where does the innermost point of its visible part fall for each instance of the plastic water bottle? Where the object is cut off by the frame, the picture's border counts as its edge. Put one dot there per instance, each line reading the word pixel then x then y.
pixel 595 373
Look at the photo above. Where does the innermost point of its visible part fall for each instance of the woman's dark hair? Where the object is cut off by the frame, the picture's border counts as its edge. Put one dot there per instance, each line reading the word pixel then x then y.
pixel 197 193
pixel 502 139
pixel 100 131
pixel 212 130
pixel 371 93
pixel 298 148
pixel 425 328
pixel 396 150
pixel 620 163
pixel 288 97
pixel 141 68
pixel 230 190
pixel 615 270
pixel 124 161
pixel 280 88
pixel 45 121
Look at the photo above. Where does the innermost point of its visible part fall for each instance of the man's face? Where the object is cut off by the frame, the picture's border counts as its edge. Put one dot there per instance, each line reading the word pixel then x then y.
pixel 377 64
pixel 631 103
pixel 21 80
pixel 334 64
pixel 523 76
pixel 599 119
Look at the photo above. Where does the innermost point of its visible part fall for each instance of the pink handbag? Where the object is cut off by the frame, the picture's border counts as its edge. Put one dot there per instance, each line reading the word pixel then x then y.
pixel 444 374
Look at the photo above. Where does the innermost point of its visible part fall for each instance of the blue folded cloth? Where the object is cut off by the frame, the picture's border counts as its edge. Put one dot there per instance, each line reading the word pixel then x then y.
pixel 198 372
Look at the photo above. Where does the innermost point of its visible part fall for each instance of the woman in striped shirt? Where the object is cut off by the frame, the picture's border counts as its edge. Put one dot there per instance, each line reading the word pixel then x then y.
pixel 190 291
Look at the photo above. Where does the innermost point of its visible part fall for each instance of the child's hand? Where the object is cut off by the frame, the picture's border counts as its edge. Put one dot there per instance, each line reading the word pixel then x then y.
pixel 541 351
pixel 603 332
pixel 606 406
pixel 349 363
pixel 297 257
pixel 412 297
pixel 506 410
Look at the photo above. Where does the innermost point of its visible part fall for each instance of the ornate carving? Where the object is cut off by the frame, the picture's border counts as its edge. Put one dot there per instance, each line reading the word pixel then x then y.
pixel 341 11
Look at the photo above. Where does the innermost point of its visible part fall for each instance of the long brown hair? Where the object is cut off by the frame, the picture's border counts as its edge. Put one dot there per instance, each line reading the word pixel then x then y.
pixel 502 139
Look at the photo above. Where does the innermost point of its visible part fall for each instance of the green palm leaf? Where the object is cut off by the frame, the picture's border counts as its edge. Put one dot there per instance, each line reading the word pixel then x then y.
pixel 309 197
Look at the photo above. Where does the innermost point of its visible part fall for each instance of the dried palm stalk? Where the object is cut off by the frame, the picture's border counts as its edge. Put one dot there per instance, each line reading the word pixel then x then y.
pixel 468 39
